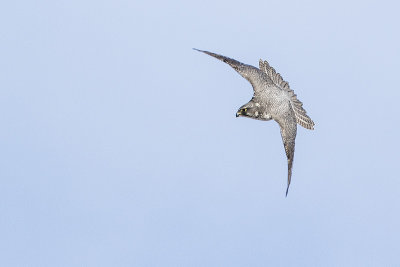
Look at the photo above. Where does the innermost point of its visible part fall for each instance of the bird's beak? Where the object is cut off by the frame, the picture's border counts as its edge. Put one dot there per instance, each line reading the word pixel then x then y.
pixel 237 114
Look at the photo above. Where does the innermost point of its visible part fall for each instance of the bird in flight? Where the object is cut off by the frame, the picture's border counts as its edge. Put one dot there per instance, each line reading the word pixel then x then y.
pixel 272 100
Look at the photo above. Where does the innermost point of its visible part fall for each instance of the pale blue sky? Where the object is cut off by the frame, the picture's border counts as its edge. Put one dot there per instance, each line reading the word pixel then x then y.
pixel 120 146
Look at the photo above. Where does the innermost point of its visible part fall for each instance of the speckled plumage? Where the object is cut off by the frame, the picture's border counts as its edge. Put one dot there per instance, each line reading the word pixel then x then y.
pixel 272 99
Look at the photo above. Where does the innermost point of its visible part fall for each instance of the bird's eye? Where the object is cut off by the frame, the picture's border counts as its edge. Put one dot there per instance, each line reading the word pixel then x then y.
pixel 245 110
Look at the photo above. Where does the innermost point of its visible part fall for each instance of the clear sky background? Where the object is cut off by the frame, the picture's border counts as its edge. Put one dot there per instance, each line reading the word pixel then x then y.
pixel 120 146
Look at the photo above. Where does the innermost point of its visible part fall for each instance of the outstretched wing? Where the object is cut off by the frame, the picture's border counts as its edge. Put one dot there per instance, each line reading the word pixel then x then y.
pixel 301 115
pixel 288 132
pixel 250 73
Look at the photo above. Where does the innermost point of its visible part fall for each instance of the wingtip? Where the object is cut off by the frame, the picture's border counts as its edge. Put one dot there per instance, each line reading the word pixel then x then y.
pixel 287 189
pixel 197 49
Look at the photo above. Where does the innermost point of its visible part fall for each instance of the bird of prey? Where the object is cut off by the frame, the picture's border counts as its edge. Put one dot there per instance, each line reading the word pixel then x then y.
pixel 272 99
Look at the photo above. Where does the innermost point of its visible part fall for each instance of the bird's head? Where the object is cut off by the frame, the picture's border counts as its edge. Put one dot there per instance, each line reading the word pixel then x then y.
pixel 249 110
